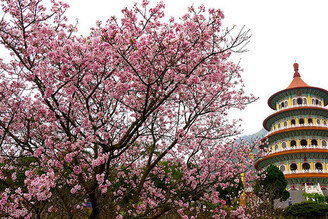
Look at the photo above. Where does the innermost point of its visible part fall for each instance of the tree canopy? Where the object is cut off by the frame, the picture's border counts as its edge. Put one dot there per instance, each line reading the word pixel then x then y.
pixel 131 118
pixel 272 185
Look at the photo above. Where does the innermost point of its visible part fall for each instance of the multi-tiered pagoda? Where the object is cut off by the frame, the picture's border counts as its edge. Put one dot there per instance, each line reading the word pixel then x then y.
pixel 298 134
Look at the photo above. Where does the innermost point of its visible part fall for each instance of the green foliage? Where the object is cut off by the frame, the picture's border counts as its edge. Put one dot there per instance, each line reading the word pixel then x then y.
pixel 232 192
pixel 264 206
pixel 22 164
pixel 314 197
pixel 285 195
pixel 170 169
pixel 272 186
pixel 307 209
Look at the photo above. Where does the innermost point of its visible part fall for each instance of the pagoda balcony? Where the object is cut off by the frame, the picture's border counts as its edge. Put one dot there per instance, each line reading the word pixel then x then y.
pixel 300 147
pixel 304 171
pixel 297 126
pixel 301 105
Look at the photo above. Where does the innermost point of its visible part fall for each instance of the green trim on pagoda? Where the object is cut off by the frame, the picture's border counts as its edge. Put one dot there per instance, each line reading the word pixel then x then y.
pixel 305 111
pixel 293 92
pixel 307 179
pixel 297 131
pixel 293 154
pixel 310 158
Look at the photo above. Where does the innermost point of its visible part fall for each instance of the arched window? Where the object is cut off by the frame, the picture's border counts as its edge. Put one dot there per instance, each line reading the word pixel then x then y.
pixel 310 121
pixel 294 102
pixel 279 126
pixel 282 105
pixel 318 166
pixel 285 124
pixel 282 168
pixel 293 122
pixel 299 101
pixel 293 143
pixel 317 102
pixel 318 121
pixel 301 121
pixel 286 103
pixel 276 147
pixel 323 143
pixel 293 167
pixel 305 166
pixel 284 145
pixel 314 142
pixel 312 101
pixel 324 122
pixel 304 142
pixel 304 100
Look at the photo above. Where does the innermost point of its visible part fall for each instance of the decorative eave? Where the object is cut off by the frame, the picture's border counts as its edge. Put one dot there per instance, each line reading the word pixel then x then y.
pixel 291 152
pixel 306 175
pixel 289 132
pixel 291 111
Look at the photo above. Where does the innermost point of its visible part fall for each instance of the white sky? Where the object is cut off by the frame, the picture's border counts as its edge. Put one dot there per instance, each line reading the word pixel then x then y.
pixel 282 32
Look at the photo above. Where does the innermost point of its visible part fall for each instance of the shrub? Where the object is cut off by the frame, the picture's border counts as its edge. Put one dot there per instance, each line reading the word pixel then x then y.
pixel 314 197
pixel 307 209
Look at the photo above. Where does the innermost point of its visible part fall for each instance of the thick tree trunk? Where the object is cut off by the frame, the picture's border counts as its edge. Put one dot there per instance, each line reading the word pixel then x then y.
pixel 95 207
pixel 94 202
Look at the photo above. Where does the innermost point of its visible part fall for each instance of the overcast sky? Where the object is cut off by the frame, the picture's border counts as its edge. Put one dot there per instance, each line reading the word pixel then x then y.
pixel 282 32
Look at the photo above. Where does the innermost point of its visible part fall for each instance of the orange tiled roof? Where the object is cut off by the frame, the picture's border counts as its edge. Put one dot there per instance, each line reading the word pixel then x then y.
pixel 297 81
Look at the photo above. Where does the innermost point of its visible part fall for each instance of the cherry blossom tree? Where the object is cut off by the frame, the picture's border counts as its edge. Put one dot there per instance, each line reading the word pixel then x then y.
pixel 131 118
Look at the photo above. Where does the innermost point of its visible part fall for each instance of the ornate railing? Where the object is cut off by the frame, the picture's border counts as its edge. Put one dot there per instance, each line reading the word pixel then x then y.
pixel 304 171
pixel 289 148
pixel 300 105
pixel 297 126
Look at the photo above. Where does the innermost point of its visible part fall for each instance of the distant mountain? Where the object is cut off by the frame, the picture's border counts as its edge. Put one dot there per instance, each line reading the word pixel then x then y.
pixel 258 134
pixel 251 138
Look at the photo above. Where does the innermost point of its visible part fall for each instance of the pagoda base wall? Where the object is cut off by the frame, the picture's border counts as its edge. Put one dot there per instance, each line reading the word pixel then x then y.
pixel 299 183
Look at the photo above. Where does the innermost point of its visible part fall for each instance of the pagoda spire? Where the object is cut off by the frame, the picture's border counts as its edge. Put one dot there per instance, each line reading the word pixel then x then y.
pixel 297 80
pixel 296 74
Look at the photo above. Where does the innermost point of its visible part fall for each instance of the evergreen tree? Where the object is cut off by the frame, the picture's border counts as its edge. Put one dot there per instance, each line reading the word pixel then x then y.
pixel 272 185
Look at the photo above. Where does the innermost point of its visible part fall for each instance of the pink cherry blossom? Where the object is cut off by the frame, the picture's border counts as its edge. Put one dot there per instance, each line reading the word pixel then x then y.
pixel 131 118
pixel 77 170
